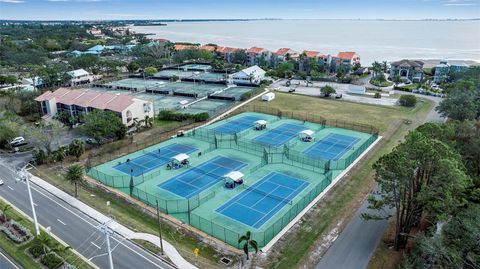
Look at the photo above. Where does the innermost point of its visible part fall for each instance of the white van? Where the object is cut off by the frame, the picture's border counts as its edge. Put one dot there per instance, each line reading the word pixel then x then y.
pixel 16 141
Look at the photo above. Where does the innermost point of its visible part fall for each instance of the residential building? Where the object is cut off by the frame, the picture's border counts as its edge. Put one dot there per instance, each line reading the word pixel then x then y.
pixel 444 70
pixel 259 56
pixel 347 59
pixel 79 77
pixel 407 70
pixel 308 56
pixel 283 55
pixel 95 32
pixel 77 102
pixel 252 75
pixel 227 53
pixel 209 48
pixel 179 47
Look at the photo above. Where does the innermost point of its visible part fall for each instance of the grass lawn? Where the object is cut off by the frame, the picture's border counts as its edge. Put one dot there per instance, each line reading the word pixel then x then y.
pixel 381 83
pixel 131 217
pixel 17 252
pixel 345 198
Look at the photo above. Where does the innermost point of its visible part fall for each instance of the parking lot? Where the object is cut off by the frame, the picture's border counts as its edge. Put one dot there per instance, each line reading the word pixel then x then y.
pixel 313 89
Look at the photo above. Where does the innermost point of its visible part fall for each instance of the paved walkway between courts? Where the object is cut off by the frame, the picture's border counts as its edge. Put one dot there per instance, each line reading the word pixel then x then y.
pixel 168 248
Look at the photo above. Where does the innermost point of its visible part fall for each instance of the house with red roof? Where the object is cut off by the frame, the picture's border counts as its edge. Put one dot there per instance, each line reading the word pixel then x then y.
pixel 210 48
pixel 259 56
pixel 76 102
pixel 308 56
pixel 283 55
pixel 227 52
pixel 179 47
pixel 346 58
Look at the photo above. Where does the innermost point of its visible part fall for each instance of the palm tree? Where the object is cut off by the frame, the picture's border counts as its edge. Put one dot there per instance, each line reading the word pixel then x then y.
pixel 248 242
pixel 74 175
pixel 45 241
pixel 148 121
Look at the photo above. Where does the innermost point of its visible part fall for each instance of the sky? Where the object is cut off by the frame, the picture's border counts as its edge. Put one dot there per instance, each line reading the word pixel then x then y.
pixel 243 9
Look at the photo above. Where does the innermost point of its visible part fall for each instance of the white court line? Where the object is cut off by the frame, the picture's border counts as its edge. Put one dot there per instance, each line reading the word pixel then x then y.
pixel 95 245
pixel 10 188
pixel 61 222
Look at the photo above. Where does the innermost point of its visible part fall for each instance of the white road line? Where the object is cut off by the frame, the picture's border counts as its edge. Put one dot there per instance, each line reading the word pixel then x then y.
pixel 10 261
pixel 89 220
pixel 61 222
pixel 10 188
pixel 47 195
pixel 35 204
pixel 95 245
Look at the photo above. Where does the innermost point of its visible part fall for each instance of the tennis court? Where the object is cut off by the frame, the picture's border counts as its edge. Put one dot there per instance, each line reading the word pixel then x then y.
pixel 332 147
pixel 197 179
pixel 280 135
pixel 196 67
pixel 152 160
pixel 260 202
pixel 237 125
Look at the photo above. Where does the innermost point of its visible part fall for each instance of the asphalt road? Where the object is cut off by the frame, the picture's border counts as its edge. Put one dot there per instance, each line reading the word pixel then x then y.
pixel 355 245
pixel 7 262
pixel 75 228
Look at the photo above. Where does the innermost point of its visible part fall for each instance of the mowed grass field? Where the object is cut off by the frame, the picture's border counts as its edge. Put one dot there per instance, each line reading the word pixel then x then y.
pixel 300 247
pixel 378 116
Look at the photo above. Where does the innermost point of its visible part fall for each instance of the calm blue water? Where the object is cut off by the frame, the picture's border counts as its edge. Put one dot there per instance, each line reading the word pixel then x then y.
pixel 373 40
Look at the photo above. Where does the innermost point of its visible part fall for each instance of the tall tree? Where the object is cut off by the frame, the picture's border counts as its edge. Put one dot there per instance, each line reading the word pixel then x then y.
pixel 411 177
pixel 248 242
pixel 74 175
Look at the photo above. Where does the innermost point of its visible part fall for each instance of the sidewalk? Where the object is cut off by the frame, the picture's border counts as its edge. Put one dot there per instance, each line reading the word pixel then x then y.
pixel 168 248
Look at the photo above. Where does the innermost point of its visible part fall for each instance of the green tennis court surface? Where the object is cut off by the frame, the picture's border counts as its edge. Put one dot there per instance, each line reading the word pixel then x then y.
pixel 281 174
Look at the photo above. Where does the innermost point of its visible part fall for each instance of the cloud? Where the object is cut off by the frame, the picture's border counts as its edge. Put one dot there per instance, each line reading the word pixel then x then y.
pixel 450 3
pixel 12 1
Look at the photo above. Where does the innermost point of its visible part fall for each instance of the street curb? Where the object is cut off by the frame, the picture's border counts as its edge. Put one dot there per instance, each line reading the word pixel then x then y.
pixel 51 234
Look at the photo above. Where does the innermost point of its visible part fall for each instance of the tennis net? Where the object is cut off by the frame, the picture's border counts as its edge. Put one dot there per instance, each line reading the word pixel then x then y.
pixel 345 145
pixel 201 171
pixel 266 194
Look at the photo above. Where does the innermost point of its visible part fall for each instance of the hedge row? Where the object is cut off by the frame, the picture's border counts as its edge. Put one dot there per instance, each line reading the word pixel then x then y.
pixel 178 116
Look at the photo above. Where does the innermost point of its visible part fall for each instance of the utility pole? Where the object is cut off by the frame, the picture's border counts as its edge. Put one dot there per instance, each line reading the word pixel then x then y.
pixel 24 175
pixel 108 232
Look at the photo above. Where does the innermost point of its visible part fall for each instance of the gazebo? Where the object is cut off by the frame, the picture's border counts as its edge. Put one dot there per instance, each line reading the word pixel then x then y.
pixel 233 179
pixel 306 135
pixel 260 125
pixel 178 161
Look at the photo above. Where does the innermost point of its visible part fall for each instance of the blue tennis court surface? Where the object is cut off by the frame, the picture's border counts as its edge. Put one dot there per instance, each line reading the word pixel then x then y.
pixel 260 202
pixel 332 147
pixel 237 125
pixel 280 135
pixel 151 160
pixel 197 179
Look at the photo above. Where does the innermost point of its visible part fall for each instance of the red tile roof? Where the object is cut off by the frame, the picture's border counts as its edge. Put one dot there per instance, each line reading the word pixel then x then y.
pixel 285 51
pixel 183 47
pixel 110 101
pixel 208 48
pixel 161 40
pixel 256 50
pixel 227 49
pixel 346 55
pixel 311 53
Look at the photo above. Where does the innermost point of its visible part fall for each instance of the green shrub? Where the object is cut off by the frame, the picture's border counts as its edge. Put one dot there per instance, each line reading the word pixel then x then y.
pixel 377 95
pixel 52 261
pixel 201 117
pixel 245 96
pixel 408 100
pixel 36 250
pixel 178 116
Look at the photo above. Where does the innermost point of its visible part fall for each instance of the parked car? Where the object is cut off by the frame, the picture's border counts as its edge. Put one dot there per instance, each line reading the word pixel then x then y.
pixel 1 182
pixel 291 90
pixel 17 141
pixel 338 95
